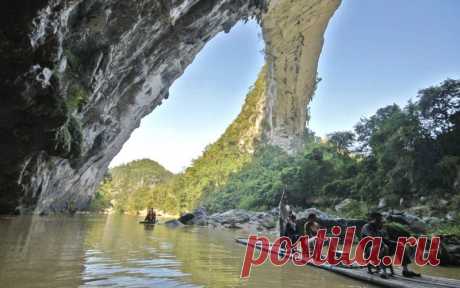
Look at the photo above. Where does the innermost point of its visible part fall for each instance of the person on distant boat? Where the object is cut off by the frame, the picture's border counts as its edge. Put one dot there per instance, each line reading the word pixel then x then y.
pixel 311 227
pixel 374 228
pixel 151 216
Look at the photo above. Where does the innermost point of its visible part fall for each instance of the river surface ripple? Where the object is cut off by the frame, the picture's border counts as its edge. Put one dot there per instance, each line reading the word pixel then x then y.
pixel 116 251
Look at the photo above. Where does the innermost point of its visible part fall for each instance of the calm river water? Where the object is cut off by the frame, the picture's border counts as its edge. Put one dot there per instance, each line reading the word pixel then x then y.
pixel 116 251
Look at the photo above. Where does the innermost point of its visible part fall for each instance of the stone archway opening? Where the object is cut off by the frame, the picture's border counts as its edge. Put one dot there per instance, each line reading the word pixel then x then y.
pixel 100 67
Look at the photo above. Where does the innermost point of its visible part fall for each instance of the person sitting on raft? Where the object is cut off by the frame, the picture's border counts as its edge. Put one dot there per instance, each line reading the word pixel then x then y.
pixel 291 228
pixel 374 228
pixel 151 216
pixel 311 227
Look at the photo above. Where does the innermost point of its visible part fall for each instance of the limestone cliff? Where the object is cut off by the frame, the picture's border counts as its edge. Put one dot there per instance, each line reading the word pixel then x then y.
pixel 293 33
pixel 79 75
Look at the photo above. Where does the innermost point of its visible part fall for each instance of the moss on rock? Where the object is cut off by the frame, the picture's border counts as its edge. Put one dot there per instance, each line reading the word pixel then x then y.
pixel 77 97
pixel 68 138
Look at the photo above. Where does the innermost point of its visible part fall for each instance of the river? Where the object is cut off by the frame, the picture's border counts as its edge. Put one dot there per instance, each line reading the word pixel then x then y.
pixel 116 251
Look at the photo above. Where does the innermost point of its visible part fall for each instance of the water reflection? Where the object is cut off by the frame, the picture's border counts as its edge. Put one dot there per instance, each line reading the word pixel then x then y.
pixel 41 252
pixel 115 251
pixel 122 253
pixel 191 256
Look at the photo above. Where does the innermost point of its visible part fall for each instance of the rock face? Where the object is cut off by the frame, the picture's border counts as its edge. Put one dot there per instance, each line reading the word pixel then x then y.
pixel 78 76
pixel 293 33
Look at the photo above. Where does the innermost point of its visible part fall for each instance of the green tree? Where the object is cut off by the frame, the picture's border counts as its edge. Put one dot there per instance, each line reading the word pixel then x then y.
pixel 343 140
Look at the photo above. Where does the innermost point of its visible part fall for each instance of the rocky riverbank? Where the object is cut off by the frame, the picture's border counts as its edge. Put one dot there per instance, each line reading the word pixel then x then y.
pixel 267 223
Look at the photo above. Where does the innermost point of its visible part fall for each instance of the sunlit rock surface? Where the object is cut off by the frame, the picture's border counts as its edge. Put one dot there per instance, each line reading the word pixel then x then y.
pixel 293 33
pixel 78 76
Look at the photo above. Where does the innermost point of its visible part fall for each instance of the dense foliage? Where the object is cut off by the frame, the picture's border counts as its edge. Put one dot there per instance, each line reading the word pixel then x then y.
pixel 400 157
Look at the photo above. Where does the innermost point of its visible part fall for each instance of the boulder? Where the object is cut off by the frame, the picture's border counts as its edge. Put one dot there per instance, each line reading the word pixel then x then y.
pixel 232 226
pixel 413 222
pixel 201 217
pixel 443 203
pixel 420 211
pixel 432 221
pixel 186 218
pixel 173 224
pixel 268 223
pixel 264 220
pixel 343 205
pixel 247 220
pixel 200 212
pixel 450 216
pixel 275 211
pixel 342 223
pixel 232 216
pixel 198 217
pixel 257 216
pixel 320 214
pixel 327 221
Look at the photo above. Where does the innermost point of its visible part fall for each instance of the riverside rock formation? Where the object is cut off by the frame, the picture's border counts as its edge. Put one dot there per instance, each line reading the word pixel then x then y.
pixel 77 76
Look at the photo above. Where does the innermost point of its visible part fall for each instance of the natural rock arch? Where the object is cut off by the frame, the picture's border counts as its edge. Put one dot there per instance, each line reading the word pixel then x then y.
pixel 82 78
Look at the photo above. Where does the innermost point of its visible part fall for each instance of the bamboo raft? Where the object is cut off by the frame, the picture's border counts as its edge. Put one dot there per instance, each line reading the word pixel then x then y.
pixel 360 273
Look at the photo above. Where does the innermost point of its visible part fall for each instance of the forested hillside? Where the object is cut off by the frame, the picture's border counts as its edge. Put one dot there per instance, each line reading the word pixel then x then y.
pixel 128 188
pixel 399 158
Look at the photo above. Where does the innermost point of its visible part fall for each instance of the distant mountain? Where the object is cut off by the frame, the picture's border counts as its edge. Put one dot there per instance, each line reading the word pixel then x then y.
pixel 129 187
pixel 139 173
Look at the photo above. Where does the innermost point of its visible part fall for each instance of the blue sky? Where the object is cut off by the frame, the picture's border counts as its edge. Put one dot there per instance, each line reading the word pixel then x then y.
pixel 376 53
pixel 381 52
